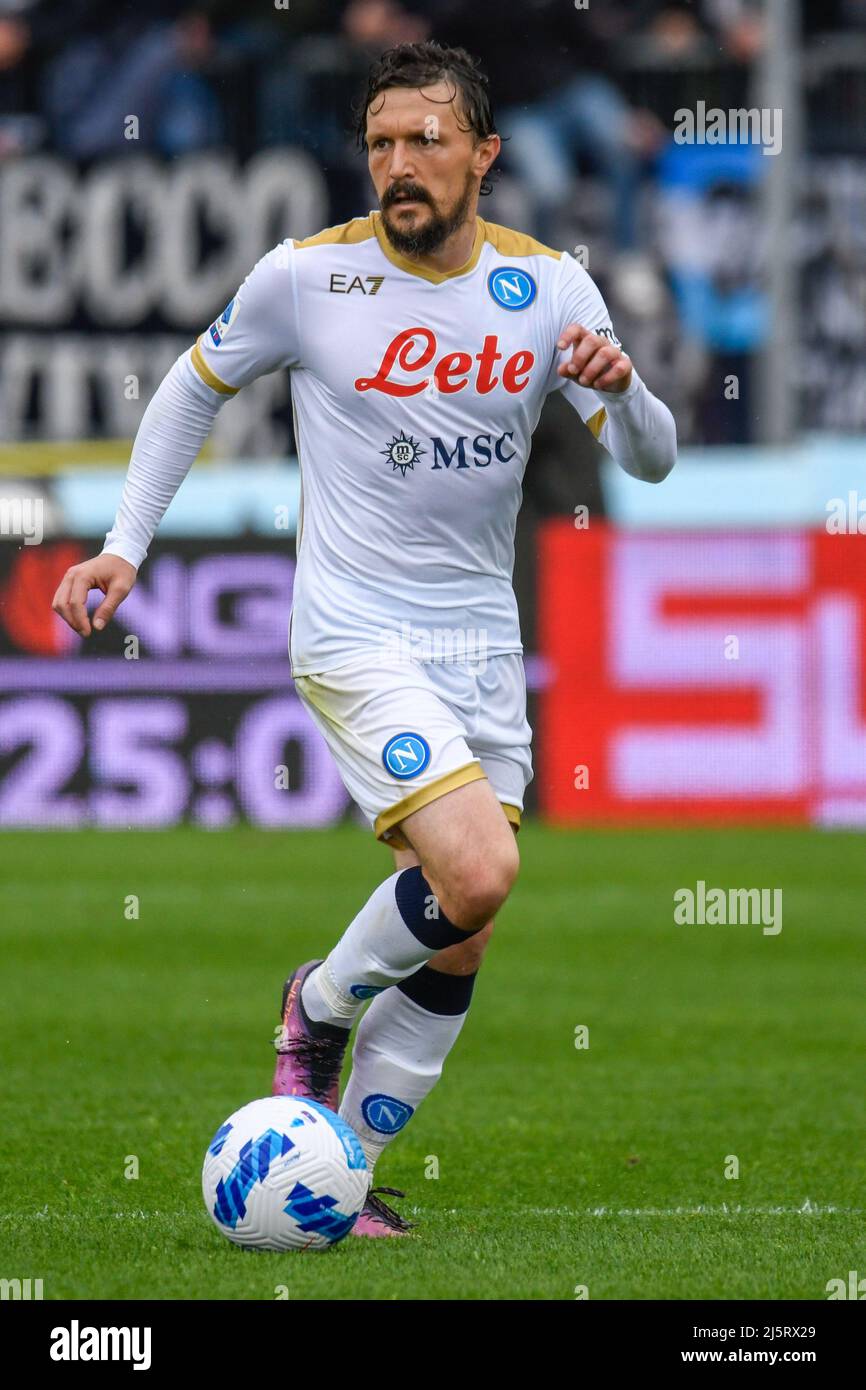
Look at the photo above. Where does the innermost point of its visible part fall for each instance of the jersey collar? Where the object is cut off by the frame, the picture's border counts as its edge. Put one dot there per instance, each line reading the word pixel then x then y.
pixel 435 277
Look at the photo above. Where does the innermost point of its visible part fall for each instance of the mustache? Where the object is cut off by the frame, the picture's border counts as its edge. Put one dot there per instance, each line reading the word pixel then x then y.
pixel 408 190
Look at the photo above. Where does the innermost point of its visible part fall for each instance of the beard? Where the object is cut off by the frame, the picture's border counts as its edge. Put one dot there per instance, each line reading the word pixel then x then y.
pixel 422 241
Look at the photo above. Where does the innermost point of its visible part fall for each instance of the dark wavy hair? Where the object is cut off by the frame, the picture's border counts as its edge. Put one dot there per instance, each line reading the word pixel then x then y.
pixel 422 65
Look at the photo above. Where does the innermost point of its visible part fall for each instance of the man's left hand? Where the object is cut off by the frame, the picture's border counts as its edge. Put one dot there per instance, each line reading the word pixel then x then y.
pixel 595 361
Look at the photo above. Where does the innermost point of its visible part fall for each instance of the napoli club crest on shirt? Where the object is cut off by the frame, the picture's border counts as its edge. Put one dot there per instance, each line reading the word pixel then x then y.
pixel 405 755
pixel 512 288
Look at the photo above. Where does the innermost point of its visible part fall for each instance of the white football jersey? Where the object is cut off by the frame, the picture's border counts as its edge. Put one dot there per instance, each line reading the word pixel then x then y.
pixel 415 397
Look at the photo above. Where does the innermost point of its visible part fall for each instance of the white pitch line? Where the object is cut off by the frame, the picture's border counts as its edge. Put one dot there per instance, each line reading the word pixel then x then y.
pixel 808 1208
pixel 724 1209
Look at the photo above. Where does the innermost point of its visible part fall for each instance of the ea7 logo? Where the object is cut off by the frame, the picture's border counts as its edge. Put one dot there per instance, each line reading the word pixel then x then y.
pixel 338 284
pixel 856 1287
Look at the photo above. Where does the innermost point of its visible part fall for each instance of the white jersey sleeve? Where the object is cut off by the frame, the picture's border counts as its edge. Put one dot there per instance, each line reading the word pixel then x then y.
pixel 256 333
pixel 637 429
pixel 174 426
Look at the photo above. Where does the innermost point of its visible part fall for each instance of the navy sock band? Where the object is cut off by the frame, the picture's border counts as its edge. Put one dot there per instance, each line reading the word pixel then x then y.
pixel 414 898
pixel 439 993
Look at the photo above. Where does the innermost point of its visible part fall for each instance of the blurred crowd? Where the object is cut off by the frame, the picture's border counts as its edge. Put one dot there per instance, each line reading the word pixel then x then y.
pixel 70 70
pixel 584 95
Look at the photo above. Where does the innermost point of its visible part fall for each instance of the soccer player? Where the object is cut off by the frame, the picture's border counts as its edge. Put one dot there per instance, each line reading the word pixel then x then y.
pixel 422 342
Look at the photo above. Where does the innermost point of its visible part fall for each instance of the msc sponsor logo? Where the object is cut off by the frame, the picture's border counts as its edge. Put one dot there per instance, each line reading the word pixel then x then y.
pixel 415 352
pixel 511 288
pixel 403 451
pixel 484 448
pixel 478 452
pixel 405 755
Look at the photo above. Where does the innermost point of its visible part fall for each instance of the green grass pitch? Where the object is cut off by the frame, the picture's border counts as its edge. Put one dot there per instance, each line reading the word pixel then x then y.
pixel 559 1167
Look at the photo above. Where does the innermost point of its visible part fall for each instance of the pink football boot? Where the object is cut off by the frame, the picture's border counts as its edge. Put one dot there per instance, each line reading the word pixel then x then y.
pixel 378 1219
pixel 309 1054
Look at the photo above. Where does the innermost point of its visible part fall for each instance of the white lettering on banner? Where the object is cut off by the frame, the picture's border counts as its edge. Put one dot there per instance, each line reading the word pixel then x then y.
pixel 65 368
pixel 39 268
pixel 114 290
pixel 263 732
pixel 257 621
pixel 652 651
pixel 63 242
pixel 156 794
pixel 158 607
pixel 225 606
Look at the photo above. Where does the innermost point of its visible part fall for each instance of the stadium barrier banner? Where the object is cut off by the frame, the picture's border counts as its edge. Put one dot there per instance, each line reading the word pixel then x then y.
pixel 110 269
pixel 183 709
pixel 704 676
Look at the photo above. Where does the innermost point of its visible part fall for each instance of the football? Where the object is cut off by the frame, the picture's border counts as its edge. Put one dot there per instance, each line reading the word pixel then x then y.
pixel 284 1173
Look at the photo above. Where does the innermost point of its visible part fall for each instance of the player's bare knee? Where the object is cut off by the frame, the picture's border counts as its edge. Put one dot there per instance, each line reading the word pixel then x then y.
pixel 476 886
pixel 475 906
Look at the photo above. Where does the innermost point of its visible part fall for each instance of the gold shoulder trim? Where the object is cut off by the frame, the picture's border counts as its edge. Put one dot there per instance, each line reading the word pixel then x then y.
pixel 208 377
pixel 346 233
pixel 511 243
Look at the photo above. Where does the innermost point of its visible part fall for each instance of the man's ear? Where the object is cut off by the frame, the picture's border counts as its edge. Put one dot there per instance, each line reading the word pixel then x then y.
pixel 487 153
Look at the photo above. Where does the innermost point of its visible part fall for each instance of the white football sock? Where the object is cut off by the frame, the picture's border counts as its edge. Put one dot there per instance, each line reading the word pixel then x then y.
pixel 398 929
pixel 399 1052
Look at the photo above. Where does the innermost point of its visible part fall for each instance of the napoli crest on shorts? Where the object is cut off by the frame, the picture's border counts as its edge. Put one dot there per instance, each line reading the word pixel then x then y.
pixel 512 288
pixel 405 755
pixel 386 1114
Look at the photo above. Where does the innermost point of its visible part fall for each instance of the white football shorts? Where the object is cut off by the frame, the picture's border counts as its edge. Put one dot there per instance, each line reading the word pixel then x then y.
pixel 404 732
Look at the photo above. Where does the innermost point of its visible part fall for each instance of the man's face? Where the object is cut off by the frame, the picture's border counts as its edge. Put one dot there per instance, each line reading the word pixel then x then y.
pixel 425 169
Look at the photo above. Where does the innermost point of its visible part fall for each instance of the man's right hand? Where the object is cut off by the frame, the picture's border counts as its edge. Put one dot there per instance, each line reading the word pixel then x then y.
pixel 115 577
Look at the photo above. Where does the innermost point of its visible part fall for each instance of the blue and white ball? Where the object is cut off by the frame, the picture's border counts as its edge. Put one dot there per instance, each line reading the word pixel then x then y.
pixel 285 1173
